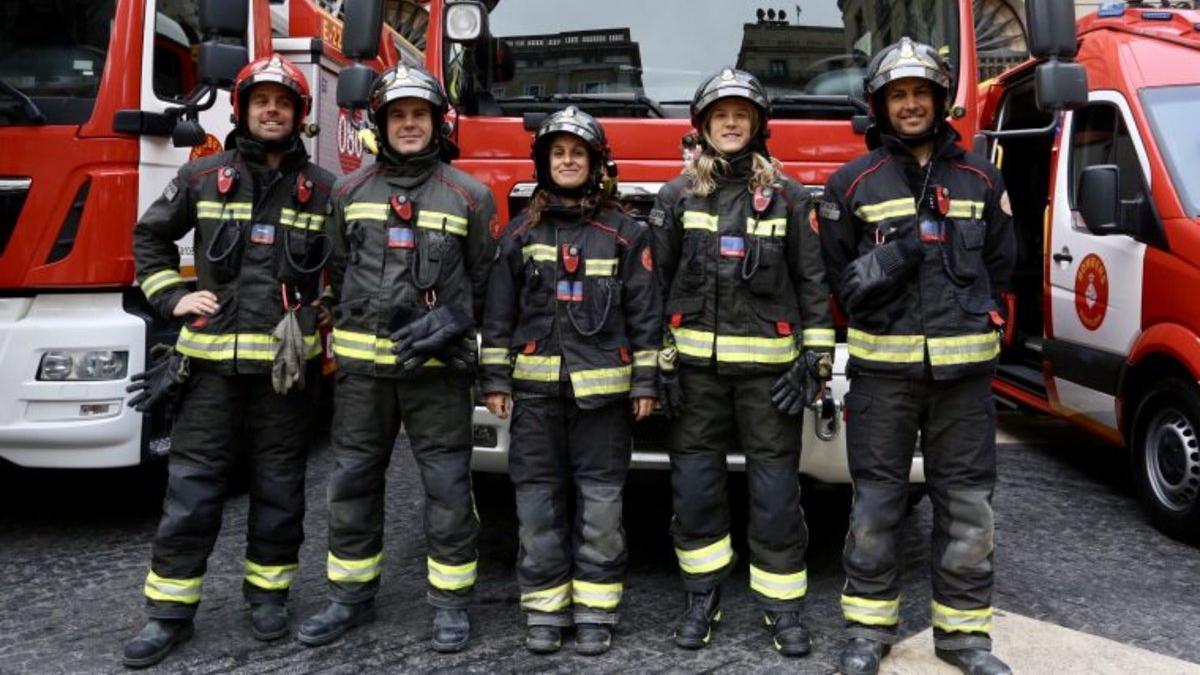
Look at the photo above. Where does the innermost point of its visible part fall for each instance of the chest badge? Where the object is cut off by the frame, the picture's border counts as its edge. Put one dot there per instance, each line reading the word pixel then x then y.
pixel 942 194
pixel 403 207
pixel 762 199
pixel 570 258
pixel 226 179
pixel 304 188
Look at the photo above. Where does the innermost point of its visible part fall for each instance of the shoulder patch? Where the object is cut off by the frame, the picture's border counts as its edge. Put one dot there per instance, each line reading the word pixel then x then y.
pixel 172 190
pixel 647 259
pixel 1005 205
pixel 495 227
pixel 830 210
pixel 657 217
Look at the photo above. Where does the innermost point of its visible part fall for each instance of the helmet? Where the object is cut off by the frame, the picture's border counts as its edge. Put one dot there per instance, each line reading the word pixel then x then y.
pixel 273 68
pixel 571 120
pixel 907 58
pixel 407 82
pixel 731 82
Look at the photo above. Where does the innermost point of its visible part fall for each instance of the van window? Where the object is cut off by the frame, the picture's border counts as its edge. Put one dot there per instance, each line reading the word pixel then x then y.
pixel 1172 113
pixel 176 44
pixel 1099 136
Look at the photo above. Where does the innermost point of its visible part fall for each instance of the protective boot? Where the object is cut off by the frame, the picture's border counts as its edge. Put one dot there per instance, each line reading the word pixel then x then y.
pixel 157 639
pixel 974 661
pixel 332 622
pixel 788 633
pixel 861 656
pixel 268 621
pixel 543 639
pixel 451 629
pixel 700 614
pixel 592 639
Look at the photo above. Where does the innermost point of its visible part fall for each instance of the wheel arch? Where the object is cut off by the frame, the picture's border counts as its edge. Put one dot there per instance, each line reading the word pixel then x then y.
pixel 1164 350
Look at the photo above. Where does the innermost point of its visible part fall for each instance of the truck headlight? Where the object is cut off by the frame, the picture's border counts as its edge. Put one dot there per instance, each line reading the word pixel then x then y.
pixel 464 22
pixel 83 364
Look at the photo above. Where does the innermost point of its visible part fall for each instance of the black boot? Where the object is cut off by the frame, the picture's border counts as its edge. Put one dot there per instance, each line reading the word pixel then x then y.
pixel 701 612
pixel 268 621
pixel 861 656
pixel 157 639
pixel 543 639
pixel 592 639
pixel 788 633
pixel 974 661
pixel 451 629
pixel 332 622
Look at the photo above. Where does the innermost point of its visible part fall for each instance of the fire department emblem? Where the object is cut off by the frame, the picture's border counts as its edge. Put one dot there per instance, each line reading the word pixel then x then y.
pixel 1091 291
pixel 210 146
pixel 727 74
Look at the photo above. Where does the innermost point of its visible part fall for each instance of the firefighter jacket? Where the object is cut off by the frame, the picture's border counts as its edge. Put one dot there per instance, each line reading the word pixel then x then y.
pixel 941 312
pixel 573 298
pixel 745 282
pixel 255 228
pixel 408 235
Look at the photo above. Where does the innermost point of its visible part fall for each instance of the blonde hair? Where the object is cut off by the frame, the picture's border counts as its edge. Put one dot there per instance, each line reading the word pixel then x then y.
pixel 704 167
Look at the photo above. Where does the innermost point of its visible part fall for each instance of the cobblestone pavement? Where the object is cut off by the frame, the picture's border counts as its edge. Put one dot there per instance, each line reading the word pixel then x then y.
pixel 1073 550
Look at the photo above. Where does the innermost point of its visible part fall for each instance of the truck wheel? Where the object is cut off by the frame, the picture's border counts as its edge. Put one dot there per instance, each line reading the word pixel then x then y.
pixel 1166 457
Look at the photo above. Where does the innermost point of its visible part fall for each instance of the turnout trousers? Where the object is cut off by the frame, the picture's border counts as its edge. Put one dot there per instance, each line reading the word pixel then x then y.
pixel 220 418
pixel 720 414
pixel 957 424
pixel 436 413
pixel 569 572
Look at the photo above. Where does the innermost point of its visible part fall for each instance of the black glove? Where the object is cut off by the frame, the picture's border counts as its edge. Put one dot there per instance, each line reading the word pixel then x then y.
pixel 802 384
pixel 422 339
pixel 670 392
pixel 161 381
pixel 461 355
pixel 882 267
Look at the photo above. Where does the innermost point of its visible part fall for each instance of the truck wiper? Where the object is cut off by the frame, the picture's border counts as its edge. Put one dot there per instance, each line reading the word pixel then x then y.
pixel 841 100
pixel 584 99
pixel 26 104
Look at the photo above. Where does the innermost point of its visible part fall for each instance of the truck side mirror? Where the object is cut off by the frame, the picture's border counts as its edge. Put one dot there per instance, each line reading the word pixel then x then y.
pixel 1098 199
pixel 363 24
pixel 465 21
pixel 220 63
pixel 1060 85
pixel 1051 28
pixel 354 86
pixel 226 18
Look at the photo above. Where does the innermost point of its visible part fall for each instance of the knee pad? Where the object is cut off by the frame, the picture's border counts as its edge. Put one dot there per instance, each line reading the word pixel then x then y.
pixel 970 532
pixel 871 543
pixel 542 529
pixel 600 523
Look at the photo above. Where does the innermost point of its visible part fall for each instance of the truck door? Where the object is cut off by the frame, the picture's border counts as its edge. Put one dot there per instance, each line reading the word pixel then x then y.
pixel 1095 281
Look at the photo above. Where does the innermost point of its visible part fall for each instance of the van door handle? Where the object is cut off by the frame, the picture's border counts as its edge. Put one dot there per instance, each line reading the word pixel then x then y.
pixel 1063 257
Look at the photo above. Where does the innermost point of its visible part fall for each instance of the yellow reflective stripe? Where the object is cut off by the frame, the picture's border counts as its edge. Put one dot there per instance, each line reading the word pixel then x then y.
pixel 962 620
pixel 739 349
pixel 270 577
pixel 537 368
pixel 871 612
pixel 367 211
pixel 301 221
pixel 707 559
pixel 494 356
pixel 229 211
pixel 818 337
pixel 356 571
pixel 779 586
pixel 451 577
pixel 539 252
pixel 363 346
pixel 600 267
pixel 600 381
pixel 598 596
pixel 774 227
pixel 647 358
pixel 548 600
pixel 184 591
pixel 699 220
pixel 695 343
pixel 964 208
pixel 160 280
pixel 950 351
pixel 436 220
pixel 889 348
pixel 245 346
pixel 873 213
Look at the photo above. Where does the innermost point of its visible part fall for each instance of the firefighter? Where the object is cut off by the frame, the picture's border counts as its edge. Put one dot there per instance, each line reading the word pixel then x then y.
pixel 918 239
pixel 238 367
pixel 570 337
pixel 412 251
pixel 749 319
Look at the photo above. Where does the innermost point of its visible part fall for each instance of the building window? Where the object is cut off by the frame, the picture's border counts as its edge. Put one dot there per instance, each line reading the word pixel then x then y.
pixel 535 90
pixel 591 88
pixel 778 68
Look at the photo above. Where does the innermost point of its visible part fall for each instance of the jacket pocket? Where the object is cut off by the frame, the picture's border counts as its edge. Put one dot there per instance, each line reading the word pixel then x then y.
pixel 962 256
pixel 680 310
pixel 777 320
pixel 693 260
pixel 769 277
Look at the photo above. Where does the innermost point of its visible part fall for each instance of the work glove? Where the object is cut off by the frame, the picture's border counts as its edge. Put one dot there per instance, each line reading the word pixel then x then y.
pixel 802 384
pixel 461 355
pixel 287 369
pixel 420 340
pixel 881 268
pixel 670 391
pixel 161 382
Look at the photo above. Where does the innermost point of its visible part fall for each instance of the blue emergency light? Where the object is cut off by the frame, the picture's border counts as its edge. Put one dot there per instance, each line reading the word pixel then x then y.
pixel 1111 9
pixel 1156 16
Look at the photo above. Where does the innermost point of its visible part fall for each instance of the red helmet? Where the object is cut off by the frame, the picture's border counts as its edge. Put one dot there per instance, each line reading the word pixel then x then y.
pixel 273 68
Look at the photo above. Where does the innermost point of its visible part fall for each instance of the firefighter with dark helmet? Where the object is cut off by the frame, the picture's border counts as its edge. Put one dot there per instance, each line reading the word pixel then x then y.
pixel 412 250
pixel 918 238
pixel 238 370
pixel 749 319
pixel 571 333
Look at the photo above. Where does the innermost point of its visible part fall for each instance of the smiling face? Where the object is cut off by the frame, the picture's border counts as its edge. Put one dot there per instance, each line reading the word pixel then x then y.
pixel 910 105
pixel 569 161
pixel 271 112
pixel 409 125
pixel 731 124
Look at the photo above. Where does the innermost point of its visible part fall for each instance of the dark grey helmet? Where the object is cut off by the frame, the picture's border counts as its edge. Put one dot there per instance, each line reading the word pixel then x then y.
pixel 407 82
pixel 729 82
pixel 570 120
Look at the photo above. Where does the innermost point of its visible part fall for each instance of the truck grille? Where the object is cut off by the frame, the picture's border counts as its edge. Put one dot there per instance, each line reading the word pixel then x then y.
pixel 13 192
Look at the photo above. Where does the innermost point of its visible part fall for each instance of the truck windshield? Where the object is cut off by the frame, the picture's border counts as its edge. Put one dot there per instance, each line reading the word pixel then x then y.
pixel 811 54
pixel 51 59
pixel 1172 113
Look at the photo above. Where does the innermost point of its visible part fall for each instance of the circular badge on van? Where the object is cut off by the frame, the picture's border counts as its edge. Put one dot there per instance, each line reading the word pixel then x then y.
pixel 1091 291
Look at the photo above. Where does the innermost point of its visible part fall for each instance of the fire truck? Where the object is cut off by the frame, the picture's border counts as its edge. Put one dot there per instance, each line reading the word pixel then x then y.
pixel 101 101
pixel 1104 320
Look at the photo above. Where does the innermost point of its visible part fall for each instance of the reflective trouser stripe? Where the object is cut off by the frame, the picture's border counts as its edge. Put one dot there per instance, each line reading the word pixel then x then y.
pixel 301 221
pixel 965 208
pixel 598 596
pixel 537 368
pixel 960 349
pixel 707 559
pixel 245 346
pixel 367 211
pixel 695 343
pixel 600 267
pixel 779 586
pixel 737 349
pixel 646 358
pixel 436 220
pixel 494 356
pixel 893 208
pixel 451 577
pixel 775 227
pixel 547 600
pixel 358 571
pixel 601 381
pixel 871 612
pixel 818 337
pixel 962 620
pixel 539 252
pixel 270 577
pixel 183 591
pixel 160 280
pixel 699 220
pixel 888 348
pixel 229 211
